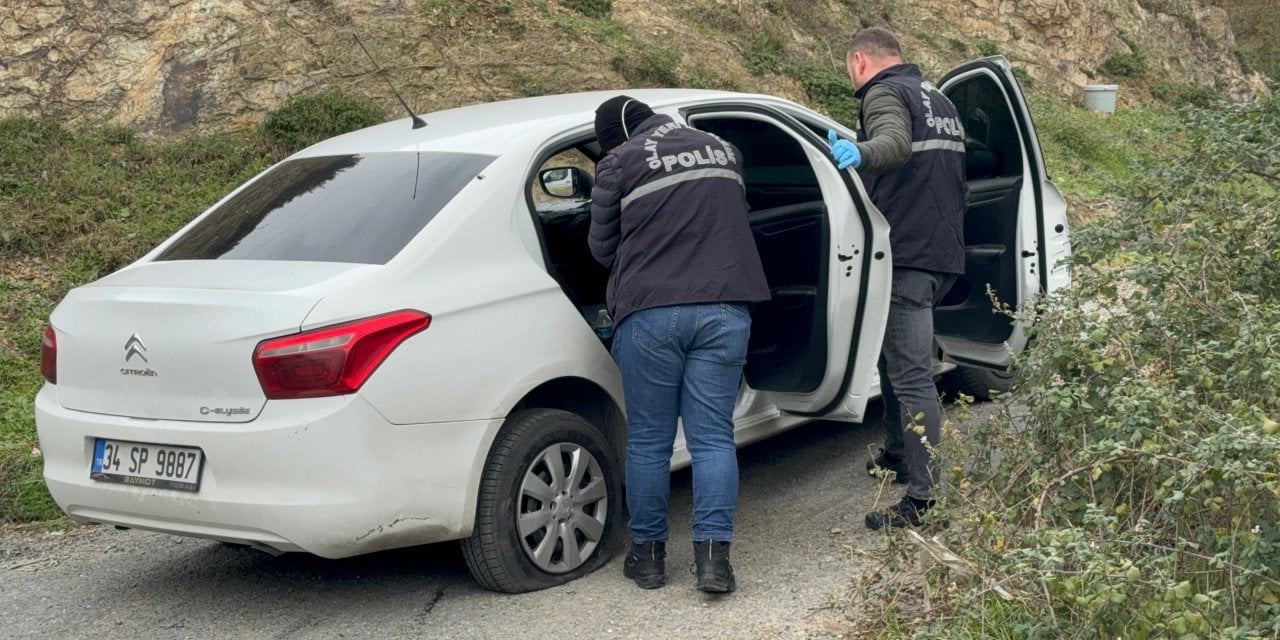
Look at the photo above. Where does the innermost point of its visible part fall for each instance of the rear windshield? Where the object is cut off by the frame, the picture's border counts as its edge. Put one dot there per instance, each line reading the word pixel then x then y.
pixel 354 208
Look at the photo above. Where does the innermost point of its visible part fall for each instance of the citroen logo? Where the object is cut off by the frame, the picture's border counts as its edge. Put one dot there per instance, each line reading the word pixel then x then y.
pixel 134 347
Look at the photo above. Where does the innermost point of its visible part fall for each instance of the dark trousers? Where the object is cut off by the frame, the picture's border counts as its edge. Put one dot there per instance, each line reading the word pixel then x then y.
pixel 912 411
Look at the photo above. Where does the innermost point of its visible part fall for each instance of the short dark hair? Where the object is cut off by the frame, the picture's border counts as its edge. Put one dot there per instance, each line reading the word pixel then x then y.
pixel 876 43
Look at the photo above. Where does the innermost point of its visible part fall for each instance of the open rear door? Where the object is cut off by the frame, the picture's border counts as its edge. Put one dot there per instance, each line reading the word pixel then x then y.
pixel 1016 236
pixel 825 250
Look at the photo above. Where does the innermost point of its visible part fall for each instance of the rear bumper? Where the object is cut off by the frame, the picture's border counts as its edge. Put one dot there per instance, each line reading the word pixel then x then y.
pixel 328 476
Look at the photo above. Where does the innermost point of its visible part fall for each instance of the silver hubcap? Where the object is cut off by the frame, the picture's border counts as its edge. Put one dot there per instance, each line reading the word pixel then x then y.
pixel 561 511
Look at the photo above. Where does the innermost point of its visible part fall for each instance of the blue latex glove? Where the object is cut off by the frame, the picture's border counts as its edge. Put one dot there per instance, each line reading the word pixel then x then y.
pixel 845 152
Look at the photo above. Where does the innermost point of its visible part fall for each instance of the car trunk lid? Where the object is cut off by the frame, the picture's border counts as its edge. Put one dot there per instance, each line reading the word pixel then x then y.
pixel 175 340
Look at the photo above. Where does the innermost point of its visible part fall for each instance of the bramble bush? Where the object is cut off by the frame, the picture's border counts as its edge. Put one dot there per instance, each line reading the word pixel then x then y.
pixel 1131 486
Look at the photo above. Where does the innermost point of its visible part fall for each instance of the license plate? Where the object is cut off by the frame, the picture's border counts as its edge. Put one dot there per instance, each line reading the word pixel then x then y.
pixel 146 465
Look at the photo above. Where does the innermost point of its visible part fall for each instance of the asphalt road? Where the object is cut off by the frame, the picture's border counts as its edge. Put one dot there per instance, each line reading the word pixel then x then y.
pixel 800 541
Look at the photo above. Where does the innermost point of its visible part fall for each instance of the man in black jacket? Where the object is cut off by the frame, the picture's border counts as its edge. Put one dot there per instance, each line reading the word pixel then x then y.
pixel 669 218
pixel 910 154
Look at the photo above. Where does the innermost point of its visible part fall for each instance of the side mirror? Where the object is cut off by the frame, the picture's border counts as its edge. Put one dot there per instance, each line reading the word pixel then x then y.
pixel 565 182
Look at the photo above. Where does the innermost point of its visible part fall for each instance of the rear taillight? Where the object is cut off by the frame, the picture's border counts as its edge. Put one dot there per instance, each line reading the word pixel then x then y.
pixel 49 355
pixel 334 360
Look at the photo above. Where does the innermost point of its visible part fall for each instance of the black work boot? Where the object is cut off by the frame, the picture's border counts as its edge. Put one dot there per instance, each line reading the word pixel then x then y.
pixel 887 462
pixel 711 565
pixel 907 513
pixel 646 564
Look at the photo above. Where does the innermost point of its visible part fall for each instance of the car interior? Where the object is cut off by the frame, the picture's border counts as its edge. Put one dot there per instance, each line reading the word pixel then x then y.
pixel 563 225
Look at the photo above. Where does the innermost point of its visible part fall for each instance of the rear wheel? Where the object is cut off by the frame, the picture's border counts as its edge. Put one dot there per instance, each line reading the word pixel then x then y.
pixel 982 384
pixel 549 505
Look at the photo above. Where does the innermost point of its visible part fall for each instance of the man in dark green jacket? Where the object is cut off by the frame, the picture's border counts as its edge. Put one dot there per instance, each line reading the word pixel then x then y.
pixel 910 155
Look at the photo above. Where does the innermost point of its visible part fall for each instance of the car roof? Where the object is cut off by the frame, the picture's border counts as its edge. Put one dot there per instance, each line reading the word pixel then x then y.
pixel 491 127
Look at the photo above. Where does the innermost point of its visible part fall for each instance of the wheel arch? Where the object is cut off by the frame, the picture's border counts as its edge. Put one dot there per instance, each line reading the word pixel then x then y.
pixel 586 399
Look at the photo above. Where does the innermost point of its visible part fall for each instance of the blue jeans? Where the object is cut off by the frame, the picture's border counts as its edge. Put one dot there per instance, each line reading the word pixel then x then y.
pixel 685 362
pixel 906 374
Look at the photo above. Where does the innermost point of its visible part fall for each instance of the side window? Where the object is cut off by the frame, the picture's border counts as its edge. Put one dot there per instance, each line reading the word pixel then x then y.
pixel 991 137
pixel 542 201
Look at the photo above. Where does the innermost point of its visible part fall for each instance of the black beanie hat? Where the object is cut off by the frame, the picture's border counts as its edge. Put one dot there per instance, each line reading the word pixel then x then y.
pixel 617 119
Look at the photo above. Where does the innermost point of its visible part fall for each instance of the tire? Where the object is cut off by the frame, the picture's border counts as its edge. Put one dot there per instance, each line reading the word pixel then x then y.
pixel 571 531
pixel 982 384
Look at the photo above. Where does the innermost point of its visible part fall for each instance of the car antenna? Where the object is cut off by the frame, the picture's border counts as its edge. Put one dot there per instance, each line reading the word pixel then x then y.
pixel 418 123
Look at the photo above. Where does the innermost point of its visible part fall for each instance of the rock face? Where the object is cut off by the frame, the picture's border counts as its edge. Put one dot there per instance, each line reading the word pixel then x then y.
pixel 1067 41
pixel 166 66
pixel 169 65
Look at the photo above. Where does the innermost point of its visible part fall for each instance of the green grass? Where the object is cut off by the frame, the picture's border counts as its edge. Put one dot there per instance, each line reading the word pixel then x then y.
pixel 1024 78
pixel 591 8
pixel 763 54
pixel 529 85
pixel 1000 620
pixel 469 18
pixel 80 204
pixel 605 30
pixel 1177 94
pixel 97 199
pixel 310 119
pixel 829 90
pixel 453 9
pixel 22 493
pixel 700 77
pixel 648 65
pixel 1088 154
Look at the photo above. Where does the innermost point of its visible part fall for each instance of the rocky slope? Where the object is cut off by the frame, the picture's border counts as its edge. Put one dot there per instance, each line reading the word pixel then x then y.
pixel 165 66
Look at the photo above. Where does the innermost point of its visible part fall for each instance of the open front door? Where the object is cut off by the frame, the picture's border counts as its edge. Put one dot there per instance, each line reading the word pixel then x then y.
pixel 1015 220
pixel 825 251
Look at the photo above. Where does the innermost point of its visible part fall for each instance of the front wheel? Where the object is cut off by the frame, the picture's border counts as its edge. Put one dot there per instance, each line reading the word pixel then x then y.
pixel 549 504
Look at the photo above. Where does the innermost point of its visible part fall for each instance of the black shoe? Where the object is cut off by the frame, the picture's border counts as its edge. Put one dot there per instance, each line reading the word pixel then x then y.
pixel 909 512
pixel 887 462
pixel 646 564
pixel 711 565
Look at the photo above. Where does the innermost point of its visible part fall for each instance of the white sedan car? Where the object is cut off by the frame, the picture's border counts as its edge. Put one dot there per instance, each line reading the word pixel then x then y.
pixel 394 337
